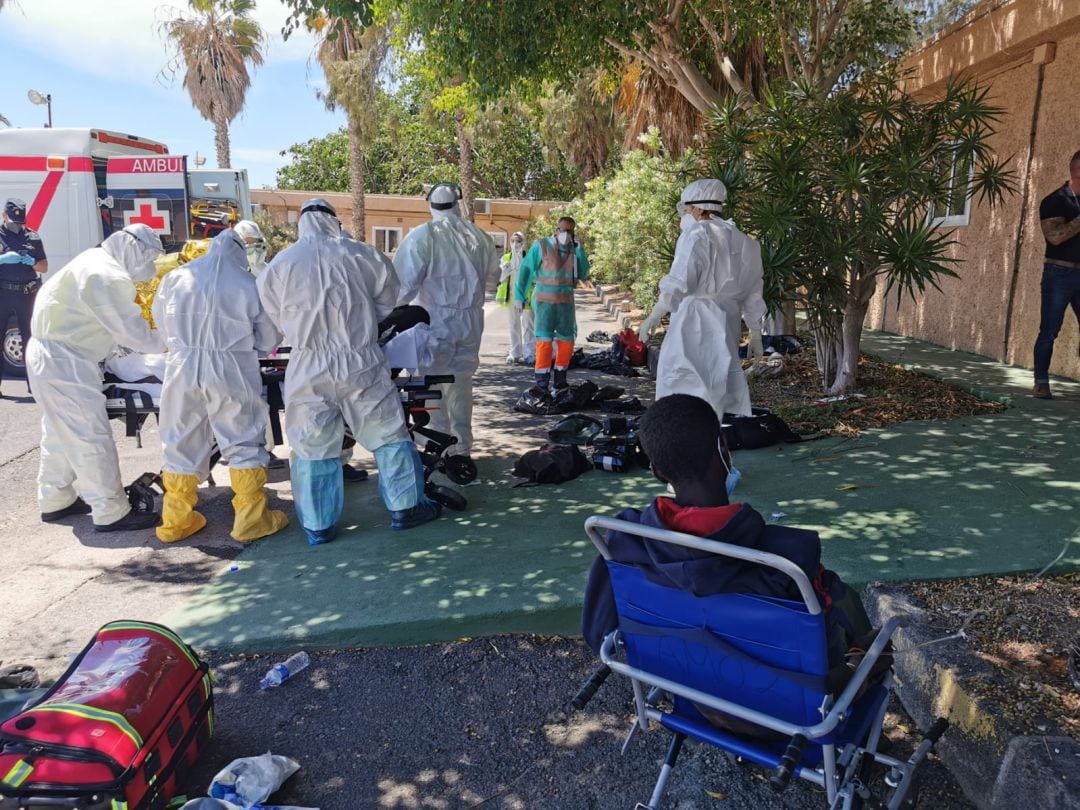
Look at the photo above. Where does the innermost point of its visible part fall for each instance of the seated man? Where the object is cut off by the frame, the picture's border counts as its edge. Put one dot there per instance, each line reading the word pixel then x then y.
pixel 681 436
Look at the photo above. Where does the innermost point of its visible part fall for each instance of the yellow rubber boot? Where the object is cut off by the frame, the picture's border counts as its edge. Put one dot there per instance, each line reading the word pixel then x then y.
pixel 253 518
pixel 178 516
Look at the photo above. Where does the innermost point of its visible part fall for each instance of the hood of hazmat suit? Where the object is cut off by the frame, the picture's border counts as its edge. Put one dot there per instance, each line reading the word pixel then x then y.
pixel 255 244
pixel 715 282
pixel 89 304
pixel 444 266
pixel 443 201
pixel 708 195
pixel 327 294
pixel 209 314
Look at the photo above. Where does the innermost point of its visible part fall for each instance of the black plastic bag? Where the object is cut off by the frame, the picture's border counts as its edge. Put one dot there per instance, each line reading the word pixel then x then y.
pixel 551 464
pixel 762 429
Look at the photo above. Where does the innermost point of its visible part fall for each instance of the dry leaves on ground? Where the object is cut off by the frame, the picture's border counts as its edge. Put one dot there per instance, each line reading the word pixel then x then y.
pixel 889 394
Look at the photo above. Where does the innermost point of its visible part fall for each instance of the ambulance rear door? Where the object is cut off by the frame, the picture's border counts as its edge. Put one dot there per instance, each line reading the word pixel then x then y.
pixel 151 191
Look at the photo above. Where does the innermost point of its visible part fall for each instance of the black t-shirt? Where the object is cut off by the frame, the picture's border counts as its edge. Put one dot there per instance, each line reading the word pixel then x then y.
pixel 26 242
pixel 1062 204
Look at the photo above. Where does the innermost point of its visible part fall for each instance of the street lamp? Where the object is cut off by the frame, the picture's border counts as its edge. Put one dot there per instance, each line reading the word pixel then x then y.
pixel 41 98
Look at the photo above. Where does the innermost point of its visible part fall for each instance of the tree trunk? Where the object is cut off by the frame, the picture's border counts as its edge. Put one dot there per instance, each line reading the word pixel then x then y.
pixel 839 348
pixel 356 183
pixel 828 343
pixel 465 167
pixel 221 143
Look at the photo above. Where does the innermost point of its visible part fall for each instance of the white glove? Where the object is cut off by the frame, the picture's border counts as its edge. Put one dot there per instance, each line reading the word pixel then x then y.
pixel 650 323
pixel 754 350
pixel 504 273
pixel 519 307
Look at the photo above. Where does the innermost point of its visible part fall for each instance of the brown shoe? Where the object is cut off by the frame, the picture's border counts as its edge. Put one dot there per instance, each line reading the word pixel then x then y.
pixel 1042 391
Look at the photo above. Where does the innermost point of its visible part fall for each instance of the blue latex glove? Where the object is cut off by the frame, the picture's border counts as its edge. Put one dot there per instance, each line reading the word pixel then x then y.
pixel 11 257
pixel 29 260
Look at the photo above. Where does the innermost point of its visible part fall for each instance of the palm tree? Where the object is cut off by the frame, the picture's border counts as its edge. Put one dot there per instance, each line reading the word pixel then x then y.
pixel 351 60
pixel 213 48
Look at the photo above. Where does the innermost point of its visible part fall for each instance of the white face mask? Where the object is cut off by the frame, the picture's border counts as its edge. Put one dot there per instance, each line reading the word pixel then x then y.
pixel 562 237
pixel 686 221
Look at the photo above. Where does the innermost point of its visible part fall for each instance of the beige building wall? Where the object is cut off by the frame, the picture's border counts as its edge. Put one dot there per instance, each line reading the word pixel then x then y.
pixel 1028 53
pixel 401 214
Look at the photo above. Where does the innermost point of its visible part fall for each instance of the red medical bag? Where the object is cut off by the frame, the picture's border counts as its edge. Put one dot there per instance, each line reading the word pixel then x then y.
pixel 118 731
pixel 637 353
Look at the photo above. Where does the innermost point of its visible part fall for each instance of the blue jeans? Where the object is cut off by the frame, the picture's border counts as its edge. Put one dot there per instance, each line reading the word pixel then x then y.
pixel 1060 290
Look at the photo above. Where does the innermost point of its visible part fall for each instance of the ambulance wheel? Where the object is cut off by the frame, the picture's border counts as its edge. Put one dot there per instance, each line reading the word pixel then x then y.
pixel 460 469
pixel 449 498
pixel 13 348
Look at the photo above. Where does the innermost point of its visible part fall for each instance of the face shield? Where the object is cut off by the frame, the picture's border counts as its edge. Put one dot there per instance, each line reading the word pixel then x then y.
pixel 138 254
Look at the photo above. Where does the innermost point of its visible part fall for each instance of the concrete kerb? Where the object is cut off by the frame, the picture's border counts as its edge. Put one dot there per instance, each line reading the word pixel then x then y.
pixel 997 767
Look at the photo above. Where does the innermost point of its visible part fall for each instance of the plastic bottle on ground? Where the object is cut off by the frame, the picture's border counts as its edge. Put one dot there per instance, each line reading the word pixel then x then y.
pixel 280 673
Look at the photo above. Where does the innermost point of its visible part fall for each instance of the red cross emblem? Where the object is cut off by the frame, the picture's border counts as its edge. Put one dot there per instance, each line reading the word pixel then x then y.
pixel 147 213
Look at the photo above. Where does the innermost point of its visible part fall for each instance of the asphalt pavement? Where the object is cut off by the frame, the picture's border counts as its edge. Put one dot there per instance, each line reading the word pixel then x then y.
pixel 482 723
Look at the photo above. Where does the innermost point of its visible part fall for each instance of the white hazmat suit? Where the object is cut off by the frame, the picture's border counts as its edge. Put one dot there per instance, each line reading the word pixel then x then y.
pixel 714 283
pixel 81 313
pixel 522 337
pixel 444 266
pixel 209 314
pixel 327 293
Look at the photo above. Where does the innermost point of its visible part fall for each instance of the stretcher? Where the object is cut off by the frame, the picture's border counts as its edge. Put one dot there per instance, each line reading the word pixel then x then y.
pixel 135 402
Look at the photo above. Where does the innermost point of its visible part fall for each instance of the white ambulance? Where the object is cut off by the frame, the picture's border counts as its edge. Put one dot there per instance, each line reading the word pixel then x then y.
pixel 81 184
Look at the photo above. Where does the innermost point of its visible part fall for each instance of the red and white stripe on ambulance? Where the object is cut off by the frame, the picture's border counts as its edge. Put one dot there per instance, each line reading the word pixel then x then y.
pixel 61 197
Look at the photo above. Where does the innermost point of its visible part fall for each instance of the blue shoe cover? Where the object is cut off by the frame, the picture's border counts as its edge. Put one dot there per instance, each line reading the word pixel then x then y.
pixel 318 537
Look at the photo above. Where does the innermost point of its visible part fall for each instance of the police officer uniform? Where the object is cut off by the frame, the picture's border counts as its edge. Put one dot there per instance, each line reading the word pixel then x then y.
pixel 19 282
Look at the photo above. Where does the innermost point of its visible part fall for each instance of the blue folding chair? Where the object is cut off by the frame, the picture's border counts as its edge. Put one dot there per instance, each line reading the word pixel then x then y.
pixel 760 660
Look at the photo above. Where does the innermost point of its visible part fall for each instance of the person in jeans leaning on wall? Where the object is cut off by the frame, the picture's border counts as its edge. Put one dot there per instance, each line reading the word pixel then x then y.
pixel 1059 215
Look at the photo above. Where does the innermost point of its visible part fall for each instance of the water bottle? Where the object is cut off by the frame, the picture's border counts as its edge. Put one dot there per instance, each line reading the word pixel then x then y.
pixel 279 673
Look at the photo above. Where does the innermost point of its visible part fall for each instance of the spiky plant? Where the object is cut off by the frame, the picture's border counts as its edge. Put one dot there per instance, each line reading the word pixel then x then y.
pixel 214 46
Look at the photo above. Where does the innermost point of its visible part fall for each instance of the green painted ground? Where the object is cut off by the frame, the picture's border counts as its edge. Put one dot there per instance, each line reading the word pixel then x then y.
pixel 921 500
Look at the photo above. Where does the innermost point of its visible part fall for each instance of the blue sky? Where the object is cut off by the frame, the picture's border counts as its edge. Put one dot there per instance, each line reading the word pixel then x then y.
pixel 102 71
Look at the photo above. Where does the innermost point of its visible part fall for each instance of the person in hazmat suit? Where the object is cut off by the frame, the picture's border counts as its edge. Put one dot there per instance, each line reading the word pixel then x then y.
pixel 327 293
pixel 444 266
pixel 715 283
pixel 81 313
pixel 551 269
pixel 255 245
pixel 209 314
pixel 521 320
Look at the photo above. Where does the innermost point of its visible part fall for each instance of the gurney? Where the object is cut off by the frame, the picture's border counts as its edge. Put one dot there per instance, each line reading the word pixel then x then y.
pixel 404 338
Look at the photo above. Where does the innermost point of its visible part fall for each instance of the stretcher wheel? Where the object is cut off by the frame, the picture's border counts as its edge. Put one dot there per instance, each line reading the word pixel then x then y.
pixel 460 469
pixel 449 498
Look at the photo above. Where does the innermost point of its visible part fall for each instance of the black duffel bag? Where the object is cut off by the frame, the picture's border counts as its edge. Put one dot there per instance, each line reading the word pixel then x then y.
pixel 762 428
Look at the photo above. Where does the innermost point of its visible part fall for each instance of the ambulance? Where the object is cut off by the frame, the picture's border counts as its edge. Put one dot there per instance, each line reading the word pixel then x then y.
pixel 82 184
